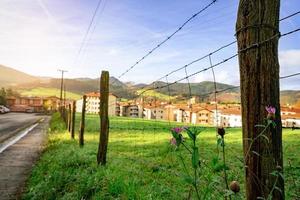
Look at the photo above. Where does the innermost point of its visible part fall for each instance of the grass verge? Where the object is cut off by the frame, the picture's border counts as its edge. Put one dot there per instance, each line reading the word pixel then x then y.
pixel 141 163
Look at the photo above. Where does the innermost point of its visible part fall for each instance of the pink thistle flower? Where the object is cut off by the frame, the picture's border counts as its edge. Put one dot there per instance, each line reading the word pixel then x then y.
pixel 270 109
pixel 177 130
pixel 271 112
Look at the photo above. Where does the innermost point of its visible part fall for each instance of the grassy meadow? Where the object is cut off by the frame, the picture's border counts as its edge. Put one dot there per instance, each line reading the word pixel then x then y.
pixel 142 164
pixel 46 92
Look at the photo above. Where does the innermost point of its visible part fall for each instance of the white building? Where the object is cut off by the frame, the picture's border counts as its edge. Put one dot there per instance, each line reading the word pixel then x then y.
pixel 152 112
pixel 93 104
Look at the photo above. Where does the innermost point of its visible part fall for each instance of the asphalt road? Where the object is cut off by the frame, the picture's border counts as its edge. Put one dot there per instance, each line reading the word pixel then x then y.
pixel 10 123
pixel 18 159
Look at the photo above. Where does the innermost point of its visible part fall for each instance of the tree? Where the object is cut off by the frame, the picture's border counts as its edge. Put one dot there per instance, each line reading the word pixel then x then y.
pixel 11 92
pixel 257 35
pixel 2 96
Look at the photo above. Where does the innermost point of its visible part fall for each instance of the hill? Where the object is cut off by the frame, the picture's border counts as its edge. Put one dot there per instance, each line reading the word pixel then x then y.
pixel 291 97
pixel 31 85
pixel 81 86
pixel 9 76
pixel 197 89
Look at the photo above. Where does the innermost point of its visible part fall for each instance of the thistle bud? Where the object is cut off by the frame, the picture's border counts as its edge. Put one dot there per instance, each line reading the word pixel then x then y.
pixel 234 186
pixel 221 131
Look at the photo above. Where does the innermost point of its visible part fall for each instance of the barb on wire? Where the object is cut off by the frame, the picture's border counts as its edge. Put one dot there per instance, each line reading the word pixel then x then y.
pixel 168 38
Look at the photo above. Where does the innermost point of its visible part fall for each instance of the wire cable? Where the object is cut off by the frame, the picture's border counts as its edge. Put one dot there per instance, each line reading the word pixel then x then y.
pixel 168 38
pixel 88 30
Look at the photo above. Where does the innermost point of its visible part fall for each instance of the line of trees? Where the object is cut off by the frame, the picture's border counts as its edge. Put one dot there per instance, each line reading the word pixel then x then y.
pixel 4 93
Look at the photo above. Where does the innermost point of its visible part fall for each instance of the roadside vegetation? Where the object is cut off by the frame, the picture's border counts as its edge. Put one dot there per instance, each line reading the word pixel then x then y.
pixel 142 164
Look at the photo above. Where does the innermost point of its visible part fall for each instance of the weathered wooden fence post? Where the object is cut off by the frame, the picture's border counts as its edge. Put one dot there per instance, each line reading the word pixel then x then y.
pixel 69 117
pixel 257 31
pixel 104 121
pixel 73 119
pixel 82 122
pixel 64 115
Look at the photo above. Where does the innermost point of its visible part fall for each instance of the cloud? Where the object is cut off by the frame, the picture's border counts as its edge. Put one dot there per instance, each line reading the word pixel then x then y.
pixel 289 58
pixel 221 77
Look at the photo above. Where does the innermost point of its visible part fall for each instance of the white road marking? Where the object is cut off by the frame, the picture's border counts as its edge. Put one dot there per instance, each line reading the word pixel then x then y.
pixel 16 138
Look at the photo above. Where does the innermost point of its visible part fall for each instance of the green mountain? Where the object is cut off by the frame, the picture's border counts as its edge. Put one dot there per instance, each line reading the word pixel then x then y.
pixel 27 84
pixel 81 86
pixel 197 89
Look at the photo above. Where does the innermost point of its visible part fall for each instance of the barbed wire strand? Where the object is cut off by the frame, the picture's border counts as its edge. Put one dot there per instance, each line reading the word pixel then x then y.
pixel 255 45
pixel 217 50
pixel 88 30
pixel 168 38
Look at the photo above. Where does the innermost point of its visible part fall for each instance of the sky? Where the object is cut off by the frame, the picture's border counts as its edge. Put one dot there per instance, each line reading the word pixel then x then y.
pixel 40 36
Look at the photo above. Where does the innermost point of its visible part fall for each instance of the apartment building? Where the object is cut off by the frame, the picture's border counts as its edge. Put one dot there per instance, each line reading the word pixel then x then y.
pixel 131 110
pixel 32 104
pixel 231 117
pixel 93 104
pixel 153 112
pixel 202 116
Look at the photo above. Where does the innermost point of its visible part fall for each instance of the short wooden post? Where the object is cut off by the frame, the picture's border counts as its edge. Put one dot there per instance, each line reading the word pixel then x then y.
pixel 69 117
pixel 65 116
pixel 73 119
pixel 82 122
pixel 104 121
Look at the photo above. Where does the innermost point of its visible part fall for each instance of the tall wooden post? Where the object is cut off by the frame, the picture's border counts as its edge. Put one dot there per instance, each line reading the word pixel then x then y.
pixel 82 122
pixel 257 22
pixel 69 117
pixel 64 106
pixel 73 119
pixel 104 121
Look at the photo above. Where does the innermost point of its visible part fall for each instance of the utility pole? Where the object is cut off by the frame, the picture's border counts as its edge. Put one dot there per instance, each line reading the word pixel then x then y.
pixel 61 87
pixel 257 32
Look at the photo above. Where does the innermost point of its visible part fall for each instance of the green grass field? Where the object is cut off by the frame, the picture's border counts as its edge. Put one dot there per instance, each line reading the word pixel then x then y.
pixel 142 164
pixel 45 92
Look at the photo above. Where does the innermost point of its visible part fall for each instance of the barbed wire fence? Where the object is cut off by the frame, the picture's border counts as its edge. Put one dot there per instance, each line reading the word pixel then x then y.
pixel 140 144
